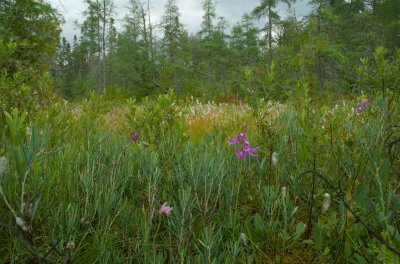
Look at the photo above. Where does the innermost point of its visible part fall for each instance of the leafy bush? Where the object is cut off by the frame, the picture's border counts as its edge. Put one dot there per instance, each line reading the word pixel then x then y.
pixel 154 118
pixel 27 43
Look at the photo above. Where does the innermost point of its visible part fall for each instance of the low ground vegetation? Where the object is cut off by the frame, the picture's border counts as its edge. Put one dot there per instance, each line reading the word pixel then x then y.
pixel 162 181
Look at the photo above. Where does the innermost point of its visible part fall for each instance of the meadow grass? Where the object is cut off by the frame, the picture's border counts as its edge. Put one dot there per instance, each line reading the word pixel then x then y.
pixel 322 188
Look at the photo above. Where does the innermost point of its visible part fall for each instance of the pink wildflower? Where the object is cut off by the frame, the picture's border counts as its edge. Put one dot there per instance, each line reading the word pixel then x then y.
pixel 240 154
pixel 360 110
pixel 237 139
pixel 363 104
pixel 165 209
pixel 134 138
pixel 247 150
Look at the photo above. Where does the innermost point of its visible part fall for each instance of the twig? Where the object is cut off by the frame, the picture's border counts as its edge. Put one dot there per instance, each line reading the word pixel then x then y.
pixel 369 228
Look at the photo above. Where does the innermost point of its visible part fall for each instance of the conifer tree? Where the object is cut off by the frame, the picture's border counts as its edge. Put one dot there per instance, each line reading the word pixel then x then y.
pixel 266 8
pixel 173 32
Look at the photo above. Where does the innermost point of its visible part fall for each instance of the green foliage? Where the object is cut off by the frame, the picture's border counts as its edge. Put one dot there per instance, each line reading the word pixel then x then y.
pixel 15 122
pixel 380 75
pixel 270 206
pixel 21 200
pixel 322 187
pixel 27 44
pixel 323 49
pixel 154 118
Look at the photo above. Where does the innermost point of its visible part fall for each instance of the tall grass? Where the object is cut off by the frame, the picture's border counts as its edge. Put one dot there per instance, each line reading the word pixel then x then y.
pixel 82 193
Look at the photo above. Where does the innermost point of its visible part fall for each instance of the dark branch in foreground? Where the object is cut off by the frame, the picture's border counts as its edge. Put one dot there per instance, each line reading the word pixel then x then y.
pixel 369 228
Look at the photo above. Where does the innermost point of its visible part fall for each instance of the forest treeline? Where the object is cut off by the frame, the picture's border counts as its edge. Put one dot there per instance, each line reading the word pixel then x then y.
pixel 325 49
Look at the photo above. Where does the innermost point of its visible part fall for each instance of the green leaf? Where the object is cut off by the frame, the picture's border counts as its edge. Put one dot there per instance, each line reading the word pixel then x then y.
pixel 258 222
pixel 326 251
pixel 394 209
pixel 35 207
pixel 361 196
pixel 308 241
pixel 300 227
pixel 360 259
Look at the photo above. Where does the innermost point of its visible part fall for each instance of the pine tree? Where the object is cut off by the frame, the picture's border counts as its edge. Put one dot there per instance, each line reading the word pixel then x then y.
pixel 266 8
pixel 244 41
pixel 94 29
pixel 134 55
pixel 172 40
pixel 207 25
pixel 207 33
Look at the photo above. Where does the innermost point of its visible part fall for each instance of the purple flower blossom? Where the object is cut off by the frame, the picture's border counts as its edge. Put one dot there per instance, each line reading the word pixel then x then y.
pixel 237 139
pixel 240 154
pixel 246 149
pixel 134 138
pixel 165 209
pixel 363 104
pixel 360 110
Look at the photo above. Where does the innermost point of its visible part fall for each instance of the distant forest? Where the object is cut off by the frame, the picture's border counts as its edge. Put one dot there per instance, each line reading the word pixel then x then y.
pixel 329 49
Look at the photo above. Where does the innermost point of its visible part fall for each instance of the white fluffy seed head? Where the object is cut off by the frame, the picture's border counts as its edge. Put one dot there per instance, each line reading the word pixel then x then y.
pixel 21 223
pixel 326 202
pixel 274 158
pixel 243 237
pixel 70 245
pixel 284 192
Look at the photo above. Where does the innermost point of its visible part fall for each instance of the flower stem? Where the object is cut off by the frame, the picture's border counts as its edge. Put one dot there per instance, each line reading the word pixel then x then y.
pixel 158 228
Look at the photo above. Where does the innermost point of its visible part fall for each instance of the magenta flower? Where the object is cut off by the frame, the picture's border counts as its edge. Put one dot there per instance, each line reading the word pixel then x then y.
pixel 363 104
pixel 237 139
pixel 165 209
pixel 134 138
pixel 240 154
pixel 246 149
pixel 360 110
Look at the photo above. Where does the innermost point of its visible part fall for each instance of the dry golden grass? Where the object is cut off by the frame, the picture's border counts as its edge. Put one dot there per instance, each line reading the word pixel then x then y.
pixel 199 118
pixel 202 118
pixel 116 121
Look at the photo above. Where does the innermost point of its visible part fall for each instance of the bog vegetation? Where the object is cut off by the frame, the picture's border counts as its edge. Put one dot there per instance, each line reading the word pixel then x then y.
pixel 231 145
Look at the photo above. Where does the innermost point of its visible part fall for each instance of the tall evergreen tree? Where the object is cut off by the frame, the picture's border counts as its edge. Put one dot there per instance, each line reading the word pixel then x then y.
pixel 207 34
pixel 94 30
pixel 209 15
pixel 172 40
pixel 244 41
pixel 134 66
pixel 266 8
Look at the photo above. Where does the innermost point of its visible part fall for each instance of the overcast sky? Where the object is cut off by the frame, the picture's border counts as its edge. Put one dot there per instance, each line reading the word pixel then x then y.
pixel 191 12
